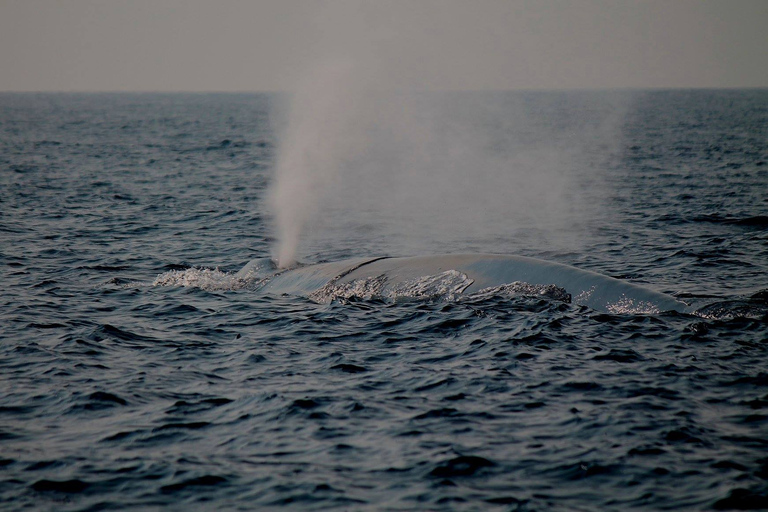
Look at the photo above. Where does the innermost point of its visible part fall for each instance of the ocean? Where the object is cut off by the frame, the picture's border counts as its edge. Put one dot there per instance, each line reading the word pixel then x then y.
pixel 137 374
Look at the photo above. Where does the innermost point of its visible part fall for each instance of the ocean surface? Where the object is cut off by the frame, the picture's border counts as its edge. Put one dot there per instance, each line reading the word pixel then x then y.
pixel 137 374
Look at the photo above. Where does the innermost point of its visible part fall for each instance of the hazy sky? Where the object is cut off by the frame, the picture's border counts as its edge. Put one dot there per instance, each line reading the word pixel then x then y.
pixel 251 45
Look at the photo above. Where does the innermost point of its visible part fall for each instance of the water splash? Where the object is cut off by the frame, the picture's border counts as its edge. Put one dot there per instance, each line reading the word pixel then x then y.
pixel 629 306
pixel 210 280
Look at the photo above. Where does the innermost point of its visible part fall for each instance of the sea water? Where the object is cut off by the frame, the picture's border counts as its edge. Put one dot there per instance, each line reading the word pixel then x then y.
pixel 138 372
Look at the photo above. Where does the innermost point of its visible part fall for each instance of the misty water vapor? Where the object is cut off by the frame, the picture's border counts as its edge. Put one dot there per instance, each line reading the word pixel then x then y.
pixel 313 147
pixel 416 171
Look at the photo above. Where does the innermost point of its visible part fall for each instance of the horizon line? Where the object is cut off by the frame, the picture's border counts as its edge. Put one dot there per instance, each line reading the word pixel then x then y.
pixel 489 90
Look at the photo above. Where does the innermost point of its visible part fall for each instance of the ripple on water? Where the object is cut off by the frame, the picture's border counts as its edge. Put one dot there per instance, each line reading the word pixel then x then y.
pixel 142 369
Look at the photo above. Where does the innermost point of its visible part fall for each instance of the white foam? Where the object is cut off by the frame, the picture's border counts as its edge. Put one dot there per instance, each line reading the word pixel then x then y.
pixel 207 279
pixel 627 306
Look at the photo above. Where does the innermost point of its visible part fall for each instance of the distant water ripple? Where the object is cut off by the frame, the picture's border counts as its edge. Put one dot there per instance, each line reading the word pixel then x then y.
pixel 138 372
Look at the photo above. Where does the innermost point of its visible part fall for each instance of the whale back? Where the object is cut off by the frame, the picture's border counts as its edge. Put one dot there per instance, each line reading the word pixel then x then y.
pixel 482 271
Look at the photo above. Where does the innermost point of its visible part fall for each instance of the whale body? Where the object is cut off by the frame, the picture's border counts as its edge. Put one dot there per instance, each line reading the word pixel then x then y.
pixel 463 274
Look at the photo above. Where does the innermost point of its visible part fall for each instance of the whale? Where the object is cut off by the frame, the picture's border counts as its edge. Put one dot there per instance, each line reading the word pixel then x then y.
pixel 457 275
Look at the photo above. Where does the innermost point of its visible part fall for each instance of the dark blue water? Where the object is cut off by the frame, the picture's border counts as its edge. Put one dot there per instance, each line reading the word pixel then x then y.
pixel 117 393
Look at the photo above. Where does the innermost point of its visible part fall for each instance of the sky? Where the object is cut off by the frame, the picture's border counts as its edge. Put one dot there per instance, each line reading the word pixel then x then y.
pixel 268 45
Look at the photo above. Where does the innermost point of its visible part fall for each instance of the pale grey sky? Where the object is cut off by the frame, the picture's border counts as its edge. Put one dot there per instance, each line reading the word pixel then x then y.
pixel 253 45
